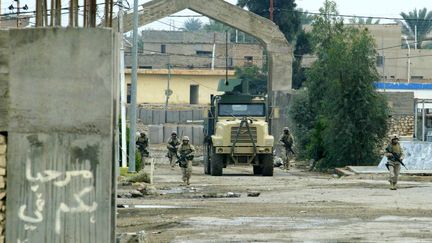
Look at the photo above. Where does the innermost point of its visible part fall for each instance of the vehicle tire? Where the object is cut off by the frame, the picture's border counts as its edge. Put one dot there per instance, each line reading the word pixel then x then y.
pixel 216 164
pixel 207 149
pixel 257 169
pixel 267 164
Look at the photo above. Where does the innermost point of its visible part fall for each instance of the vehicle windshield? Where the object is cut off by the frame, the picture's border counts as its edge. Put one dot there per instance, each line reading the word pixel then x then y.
pixel 239 110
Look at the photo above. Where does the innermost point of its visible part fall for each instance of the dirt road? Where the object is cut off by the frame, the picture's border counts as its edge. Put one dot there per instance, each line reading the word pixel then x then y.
pixel 292 206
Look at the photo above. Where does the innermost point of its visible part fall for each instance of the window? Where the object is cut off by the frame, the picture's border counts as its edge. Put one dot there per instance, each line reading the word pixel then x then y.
pixel 417 77
pixel 163 48
pixel 239 110
pixel 145 67
pixel 230 62
pixel 204 53
pixel 248 60
pixel 194 94
pixel 379 61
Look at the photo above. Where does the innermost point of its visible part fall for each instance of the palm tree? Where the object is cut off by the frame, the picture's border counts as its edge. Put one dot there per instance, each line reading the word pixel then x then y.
pixel 364 21
pixel 421 19
pixel 192 25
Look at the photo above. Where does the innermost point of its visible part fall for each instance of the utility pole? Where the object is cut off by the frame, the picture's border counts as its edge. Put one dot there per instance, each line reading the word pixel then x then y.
pixel 409 60
pixel 133 104
pixel 271 9
pixel 123 101
pixel 213 51
pixel 18 8
pixel 415 37
pixel 168 91
pixel 383 59
pixel 226 57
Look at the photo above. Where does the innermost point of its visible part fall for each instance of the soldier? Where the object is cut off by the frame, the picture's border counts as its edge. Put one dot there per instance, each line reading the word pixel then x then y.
pixel 172 146
pixel 186 151
pixel 286 140
pixel 142 144
pixel 394 152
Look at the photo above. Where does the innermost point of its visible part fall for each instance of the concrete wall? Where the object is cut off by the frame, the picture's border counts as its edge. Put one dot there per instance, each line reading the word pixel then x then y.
pixel 4 77
pixel 3 151
pixel 60 135
pixel 151 116
pixel 400 103
pixel 153 83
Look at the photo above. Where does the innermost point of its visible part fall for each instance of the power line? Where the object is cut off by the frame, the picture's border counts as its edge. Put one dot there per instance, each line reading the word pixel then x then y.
pixel 355 16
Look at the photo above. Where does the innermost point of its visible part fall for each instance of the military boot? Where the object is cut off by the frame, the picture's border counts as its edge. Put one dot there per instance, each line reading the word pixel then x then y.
pixel 392 186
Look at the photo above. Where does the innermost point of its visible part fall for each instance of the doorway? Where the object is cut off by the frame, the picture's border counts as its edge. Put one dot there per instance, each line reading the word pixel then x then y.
pixel 194 94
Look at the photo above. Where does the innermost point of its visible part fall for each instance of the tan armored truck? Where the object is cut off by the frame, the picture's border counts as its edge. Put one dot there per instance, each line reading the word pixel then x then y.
pixel 237 131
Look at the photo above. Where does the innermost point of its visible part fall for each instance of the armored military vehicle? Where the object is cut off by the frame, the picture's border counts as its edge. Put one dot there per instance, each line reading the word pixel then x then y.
pixel 237 130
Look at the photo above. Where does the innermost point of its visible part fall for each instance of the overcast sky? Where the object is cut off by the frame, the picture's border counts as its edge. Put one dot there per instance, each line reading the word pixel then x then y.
pixel 374 8
pixel 380 8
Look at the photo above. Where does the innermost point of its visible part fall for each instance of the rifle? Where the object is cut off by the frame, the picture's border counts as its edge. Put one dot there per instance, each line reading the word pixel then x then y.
pixel 182 160
pixel 288 147
pixel 397 158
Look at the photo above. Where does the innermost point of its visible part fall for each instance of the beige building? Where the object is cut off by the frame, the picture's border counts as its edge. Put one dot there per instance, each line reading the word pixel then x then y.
pixel 392 61
pixel 188 86
pixel 395 60
pixel 194 50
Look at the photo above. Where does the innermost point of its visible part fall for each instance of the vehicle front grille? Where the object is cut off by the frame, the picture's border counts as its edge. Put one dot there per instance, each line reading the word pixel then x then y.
pixel 244 135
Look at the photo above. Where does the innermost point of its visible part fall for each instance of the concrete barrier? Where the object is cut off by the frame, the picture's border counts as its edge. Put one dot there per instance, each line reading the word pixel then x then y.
pixel 185 130
pixel 197 115
pixel 185 116
pixel 168 129
pixel 173 117
pixel 197 134
pixel 158 116
pixel 156 134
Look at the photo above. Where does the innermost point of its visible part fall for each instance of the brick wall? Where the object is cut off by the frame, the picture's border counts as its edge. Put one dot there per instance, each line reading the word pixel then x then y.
pixel 2 187
pixel 402 125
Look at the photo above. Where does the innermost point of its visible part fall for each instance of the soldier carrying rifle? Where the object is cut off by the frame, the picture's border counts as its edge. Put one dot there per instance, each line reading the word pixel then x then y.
pixel 172 146
pixel 186 155
pixel 286 140
pixel 394 155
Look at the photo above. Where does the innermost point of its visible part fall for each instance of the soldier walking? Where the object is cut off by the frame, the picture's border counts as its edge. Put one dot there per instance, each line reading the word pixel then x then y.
pixel 394 155
pixel 286 140
pixel 142 144
pixel 172 146
pixel 186 154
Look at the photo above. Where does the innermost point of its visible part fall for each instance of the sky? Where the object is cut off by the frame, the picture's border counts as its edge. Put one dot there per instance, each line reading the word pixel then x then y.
pixel 381 8
pixel 374 8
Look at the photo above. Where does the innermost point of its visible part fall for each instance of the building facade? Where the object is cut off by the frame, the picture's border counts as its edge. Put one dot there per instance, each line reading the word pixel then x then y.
pixel 187 86
pixel 194 50
pixel 395 61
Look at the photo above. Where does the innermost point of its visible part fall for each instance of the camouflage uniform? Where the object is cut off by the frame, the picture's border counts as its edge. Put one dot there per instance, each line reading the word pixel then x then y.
pixel 143 143
pixel 286 140
pixel 172 146
pixel 187 149
pixel 393 165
